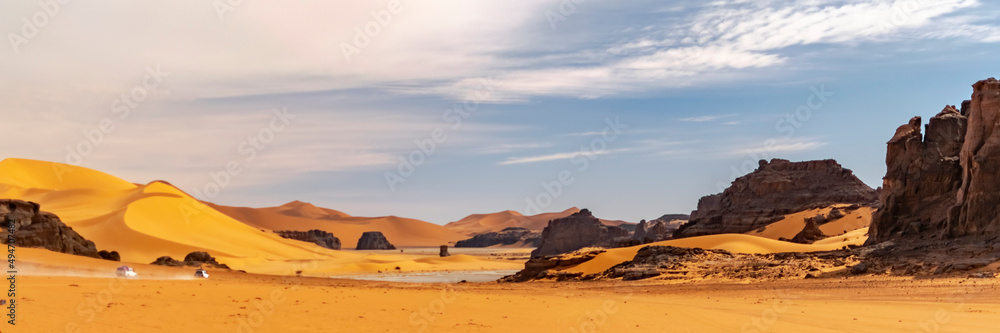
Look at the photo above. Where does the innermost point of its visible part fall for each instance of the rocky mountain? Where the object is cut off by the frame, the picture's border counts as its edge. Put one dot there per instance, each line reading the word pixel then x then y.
pixel 374 240
pixel 578 231
pixel 944 183
pixel 508 236
pixel 35 228
pixel 318 237
pixel 777 188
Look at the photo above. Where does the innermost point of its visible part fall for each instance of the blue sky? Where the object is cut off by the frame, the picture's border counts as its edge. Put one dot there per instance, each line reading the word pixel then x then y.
pixel 700 90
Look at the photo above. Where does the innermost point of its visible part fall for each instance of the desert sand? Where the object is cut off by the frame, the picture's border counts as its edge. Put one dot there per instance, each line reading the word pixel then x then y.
pixel 235 302
pixel 792 224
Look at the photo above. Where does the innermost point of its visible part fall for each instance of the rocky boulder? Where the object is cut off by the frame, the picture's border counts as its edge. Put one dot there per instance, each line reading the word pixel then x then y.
pixel 578 231
pixel 810 233
pixel 775 189
pixel 444 251
pixel 167 261
pixel 318 237
pixel 508 236
pixel 113 255
pixel 36 228
pixel 374 240
pixel 197 259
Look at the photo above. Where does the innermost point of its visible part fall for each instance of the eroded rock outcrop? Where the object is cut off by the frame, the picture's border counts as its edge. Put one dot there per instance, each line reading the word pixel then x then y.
pixel 775 189
pixel 945 183
pixel 810 232
pixel 578 231
pixel 977 207
pixel 660 229
pixel 374 240
pixel 36 228
pixel 922 178
pixel 318 237
pixel 508 236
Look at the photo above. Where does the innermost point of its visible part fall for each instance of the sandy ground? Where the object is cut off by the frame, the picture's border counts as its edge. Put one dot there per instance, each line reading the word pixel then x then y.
pixel 233 302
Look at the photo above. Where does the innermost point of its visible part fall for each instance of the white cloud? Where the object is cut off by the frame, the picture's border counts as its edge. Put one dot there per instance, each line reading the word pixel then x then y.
pixel 702 119
pixel 559 156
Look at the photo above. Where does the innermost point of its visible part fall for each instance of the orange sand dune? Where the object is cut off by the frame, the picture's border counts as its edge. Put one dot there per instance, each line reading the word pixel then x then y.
pixel 483 223
pixel 730 242
pixel 402 232
pixel 792 224
pixel 143 222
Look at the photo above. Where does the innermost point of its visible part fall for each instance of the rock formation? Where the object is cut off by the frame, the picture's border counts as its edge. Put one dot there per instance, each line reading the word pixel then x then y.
pixel 35 228
pixel 444 251
pixel 811 232
pixel 113 255
pixel 578 231
pixel 945 183
pixel 194 259
pixel 508 236
pixel 923 176
pixel 374 240
pixel 318 237
pixel 977 207
pixel 167 261
pixel 775 189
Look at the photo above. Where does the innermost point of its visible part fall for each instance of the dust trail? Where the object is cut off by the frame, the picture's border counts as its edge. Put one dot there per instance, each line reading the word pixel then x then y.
pixel 31 269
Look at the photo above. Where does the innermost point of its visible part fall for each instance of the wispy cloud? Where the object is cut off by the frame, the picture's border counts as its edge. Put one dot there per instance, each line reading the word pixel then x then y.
pixel 703 119
pixel 782 146
pixel 559 156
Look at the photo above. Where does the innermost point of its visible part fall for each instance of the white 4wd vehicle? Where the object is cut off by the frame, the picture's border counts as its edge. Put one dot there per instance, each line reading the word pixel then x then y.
pixel 126 272
pixel 201 273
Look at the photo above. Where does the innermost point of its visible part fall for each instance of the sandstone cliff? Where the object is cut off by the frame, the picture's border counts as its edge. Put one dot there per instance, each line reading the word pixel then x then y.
pixel 945 183
pixel 775 189
pixel 508 236
pixel 578 231
pixel 922 178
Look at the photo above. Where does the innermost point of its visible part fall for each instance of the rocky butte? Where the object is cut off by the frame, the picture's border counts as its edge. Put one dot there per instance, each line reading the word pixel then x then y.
pixel 945 183
pixel 777 188
pixel 374 240
pixel 578 231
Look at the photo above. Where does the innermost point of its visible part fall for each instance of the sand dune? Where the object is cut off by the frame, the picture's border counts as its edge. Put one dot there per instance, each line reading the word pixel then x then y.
pixel 143 222
pixel 483 223
pixel 402 232
pixel 730 242
pixel 792 224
